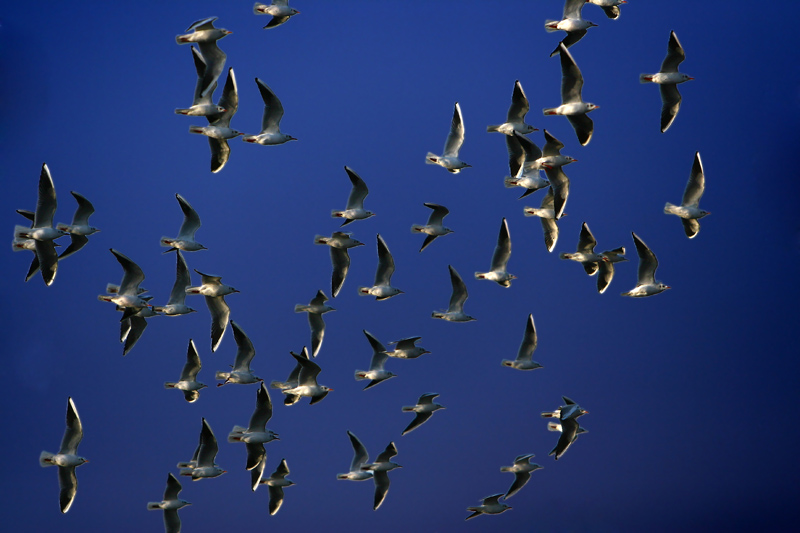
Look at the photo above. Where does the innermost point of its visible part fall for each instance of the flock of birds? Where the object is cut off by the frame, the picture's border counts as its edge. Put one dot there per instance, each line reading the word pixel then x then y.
pixel 526 162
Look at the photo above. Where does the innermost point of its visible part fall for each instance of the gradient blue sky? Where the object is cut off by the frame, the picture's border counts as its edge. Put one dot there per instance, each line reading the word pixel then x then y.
pixel 691 393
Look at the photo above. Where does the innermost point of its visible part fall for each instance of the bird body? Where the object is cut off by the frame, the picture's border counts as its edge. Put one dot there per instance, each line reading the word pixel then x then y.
pixel 424 409
pixel 271 120
pixel 515 120
pixel 280 11
pixel 521 469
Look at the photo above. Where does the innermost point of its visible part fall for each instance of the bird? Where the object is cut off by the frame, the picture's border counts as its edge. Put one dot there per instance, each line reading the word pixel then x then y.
pixel 360 457
pixel 668 79
pixel 176 305
pixel 191 223
pixel 382 289
pixel 515 120
pixel 551 154
pixel 610 7
pixel 572 104
pixel 570 409
pixel 449 158
pixel 205 454
pixel 306 383
pixel 380 473
pixel 689 210
pixel 339 243
pixel 270 121
pixel 256 434
pixel 42 231
pixel 455 311
pixel 202 104
pixel 280 11
pixel 80 229
pixel 188 381
pixel 132 328
pixel 214 291
pixel 502 252
pixel 521 469
pixel 559 182
pixel 606 267
pixel 276 483
pixel 530 340
pixel 524 164
pixel 128 295
pixel 170 504
pixel 206 36
pixel 491 505
pixel 315 309
pixel 424 410
pixel 245 352
pixel 585 253
pixel 19 244
pixel 355 201
pixel 573 433
pixel 219 128
pixel 646 284
pixel 291 381
pixel 376 372
pixel 435 227
pixel 547 215
pixel 67 458
pixel 407 349
pixel 572 23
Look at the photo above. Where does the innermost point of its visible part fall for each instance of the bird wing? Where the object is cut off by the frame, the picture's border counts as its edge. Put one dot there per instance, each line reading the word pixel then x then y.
pixel 309 370
pixel 214 58
pixel 696 184
pixel 193 365
pixel 263 411
pixel 275 492
pixel 208 446
pixel 438 214
pixel 220 152
pixel 520 478
pixel 456 136
pixel 691 227
pixel 137 327
pixel 552 145
pixel 383 275
pixel 173 487
pixel 191 220
pixel 220 314
pixel 317 325
pixel 69 486
pixel 360 455
pixel 559 184
pixel 586 241
pixel 571 78
pixel 381 488
pixel 529 341
pixel 519 104
pixel 132 275
pixel 516 155
pixel 647 262
pixel 229 100
pixel 459 294
pixel 46 201
pixel 675 54
pixel 85 209
pixel 244 348
pixel 74 432
pixel 273 109
pixel 572 8
pixel 358 192
pixel 182 280
pixel 502 252
pixel 670 104
pixel 340 259
pixel 605 275
pixel 583 126
pixel 47 260
pixel 256 456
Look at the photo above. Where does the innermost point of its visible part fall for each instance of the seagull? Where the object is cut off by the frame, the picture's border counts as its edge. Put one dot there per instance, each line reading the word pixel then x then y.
pixel 281 12
pixel 245 352
pixel 176 305
pixel 206 452
pixel 128 295
pixel 434 228
pixel 132 327
pixel 551 154
pixel 292 381
pixel 500 257
pixel 548 217
pixel 206 36
pixel 524 163
pixel 689 210
pixel 276 482
pixel 585 253
pixel 569 410
pixel 606 267
pixel 202 105
pixel 67 458
pixel 80 229
pixel 424 409
pixel 271 121
pixel 376 372
pixel 382 289
pixel 455 312
pixel 572 104
pixel 219 128
pixel 559 182
pixel 522 469
pixel 570 429
pixel 214 291
pixel 306 383
pixel 380 473
pixel 647 284
pixel 185 239
pixel 491 505
pixel 449 159
pixel 170 504
pixel 610 7
pixel 407 349
pixel 256 434
pixel 526 348
pixel 188 382
pixel 19 244
pixel 339 243
pixel 315 309
pixel 360 457
pixel 571 22
pixel 355 202
pixel 668 79
pixel 515 120
pixel 42 230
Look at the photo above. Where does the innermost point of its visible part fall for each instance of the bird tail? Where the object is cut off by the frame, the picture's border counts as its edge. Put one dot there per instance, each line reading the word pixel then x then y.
pixel 363 291
pixel 551 414
pixel 236 434
pixel 63 227
pixel 319 239
pixel 645 78
pixel 437 314
pixel 186 471
pixel 417 228
pixel 480 275
pixel 431 158
pixel 360 374
pixel 495 127
pixel 21 232
pixel 166 242
pixel 669 208
pixel 45 459
pixel 550 26
pixel 510 181
pixel 18 245
pixel 222 375
pixel 112 289
pixel 549 111
pixel 300 308
pixel 408 408
pixel 153 506
pixel 554 426
pixel 169 384
pixel 277 385
pixel 104 298
pixel 196 129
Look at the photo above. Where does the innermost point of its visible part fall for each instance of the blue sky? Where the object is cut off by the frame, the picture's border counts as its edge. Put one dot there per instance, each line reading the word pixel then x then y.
pixel 688 391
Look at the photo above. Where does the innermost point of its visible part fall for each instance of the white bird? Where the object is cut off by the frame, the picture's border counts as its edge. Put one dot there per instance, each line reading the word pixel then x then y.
pixel 524 163
pixel 424 410
pixel 306 383
pixel 202 104
pixel 276 482
pixel 270 121
pixel 380 473
pixel 206 36
pixel 515 120
pixel 376 372
pixel 407 349
pixel 315 309
pixel 132 328
pixel 256 434
pixel 689 210
pixel 435 227
pixel 668 79
pixel 128 295
pixel 647 284
pixel 559 182
pixel 67 458
pixel 572 105
pixel 521 469
pixel 551 154
pixel 170 504
pixel 455 311
pixel 547 215
pixel 606 267
pixel 572 23
pixel 339 243
pixel 204 465
pixel 214 291
pixel 176 305
pixel 382 289
pixel 292 381
pixel 80 228
pixel 449 158
pixel 530 340
pixel 355 201
pixel 245 352
pixel 610 7
pixel 502 252
pixel 191 223
pixel 360 457
pixel 491 505
pixel 280 11
pixel 219 128
pixel 585 253
pixel 188 382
